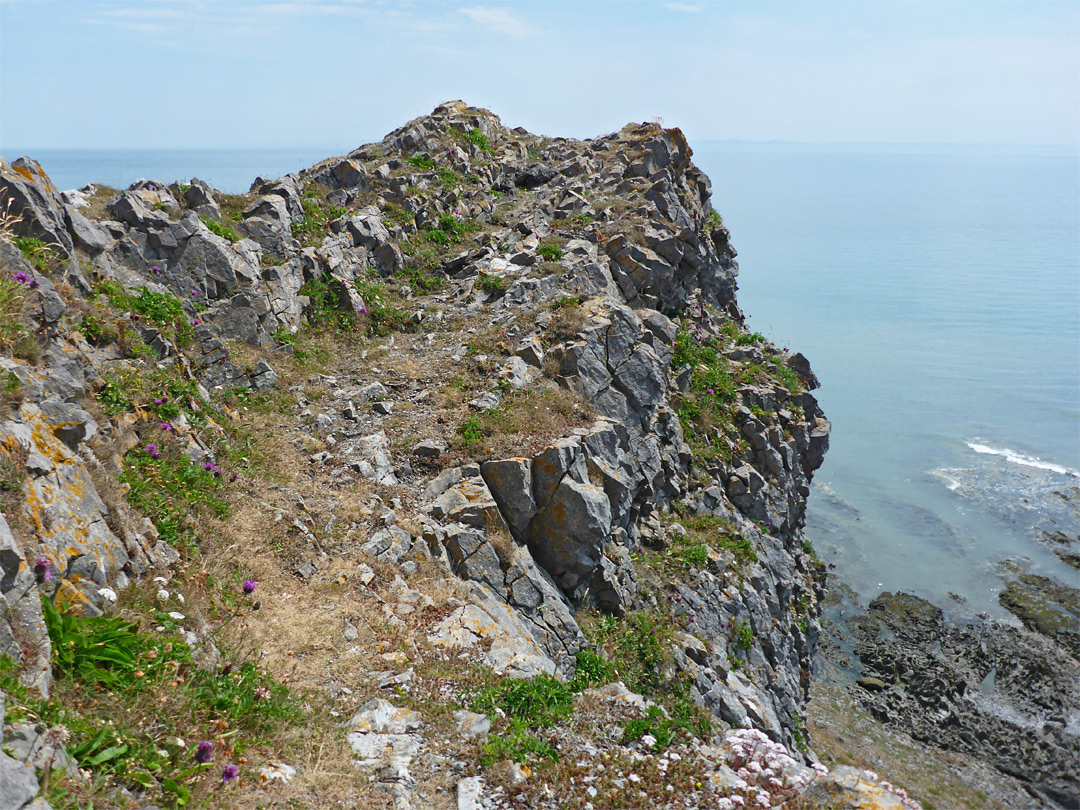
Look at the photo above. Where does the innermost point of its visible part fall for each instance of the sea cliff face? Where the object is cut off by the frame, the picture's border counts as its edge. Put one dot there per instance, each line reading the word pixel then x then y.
pixel 497 385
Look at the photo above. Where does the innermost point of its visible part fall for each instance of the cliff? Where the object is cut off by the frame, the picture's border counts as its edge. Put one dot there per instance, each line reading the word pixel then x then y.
pixel 475 417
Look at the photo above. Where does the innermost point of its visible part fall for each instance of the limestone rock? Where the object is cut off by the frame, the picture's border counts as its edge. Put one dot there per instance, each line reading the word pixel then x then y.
pixel 847 788
pixel 18 783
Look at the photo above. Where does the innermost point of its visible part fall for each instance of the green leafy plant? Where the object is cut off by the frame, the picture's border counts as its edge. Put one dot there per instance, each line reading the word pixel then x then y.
pixel 744 635
pixel 165 489
pixel 448 177
pixel 41 255
pixel 478 138
pixel 324 307
pixel 492 285
pixel 549 251
pixel 422 162
pixel 591 670
pixel 221 229
pixel 518 745
pixel 538 702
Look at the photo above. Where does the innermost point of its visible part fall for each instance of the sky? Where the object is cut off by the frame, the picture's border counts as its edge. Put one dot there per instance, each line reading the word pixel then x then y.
pixel 265 73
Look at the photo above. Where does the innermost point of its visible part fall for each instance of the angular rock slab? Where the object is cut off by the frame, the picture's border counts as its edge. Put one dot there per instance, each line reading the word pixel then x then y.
pixel 567 536
pixel 847 788
pixel 18 783
pixel 513 650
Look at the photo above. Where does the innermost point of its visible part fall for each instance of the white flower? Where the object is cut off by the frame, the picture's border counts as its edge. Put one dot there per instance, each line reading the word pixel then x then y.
pixel 634 777
pixel 163 595
pixel 674 756
pixel 160 580
pixel 649 740
pixel 180 598
pixel 108 594
pixel 591 791
pixel 178 616
pixel 820 769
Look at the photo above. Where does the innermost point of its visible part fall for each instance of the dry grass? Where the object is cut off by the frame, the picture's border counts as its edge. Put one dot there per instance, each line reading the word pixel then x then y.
pixel 525 422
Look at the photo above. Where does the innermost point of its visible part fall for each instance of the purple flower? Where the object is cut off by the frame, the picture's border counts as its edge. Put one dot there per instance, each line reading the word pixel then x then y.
pixel 232 477
pixel 711 391
pixel 34 284
pixel 21 277
pixel 43 569
pixel 151 449
pixel 195 321
pixel 155 270
pixel 553 229
pixel 250 585
pixel 165 426
pixel 204 752
pixel 195 293
pixel 229 774
pixel 160 400
pixel 363 310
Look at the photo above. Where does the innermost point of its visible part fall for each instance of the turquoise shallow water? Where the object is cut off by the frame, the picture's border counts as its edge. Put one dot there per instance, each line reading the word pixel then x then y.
pixel 936 292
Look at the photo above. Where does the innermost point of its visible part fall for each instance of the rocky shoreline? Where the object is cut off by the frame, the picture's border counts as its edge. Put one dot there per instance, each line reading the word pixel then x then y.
pixel 986 692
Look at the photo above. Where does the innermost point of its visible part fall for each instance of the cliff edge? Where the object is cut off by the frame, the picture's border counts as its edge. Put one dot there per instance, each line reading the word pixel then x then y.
pixel 460 435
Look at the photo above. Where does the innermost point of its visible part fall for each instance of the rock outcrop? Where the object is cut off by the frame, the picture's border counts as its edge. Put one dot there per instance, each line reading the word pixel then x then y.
pixel 677 487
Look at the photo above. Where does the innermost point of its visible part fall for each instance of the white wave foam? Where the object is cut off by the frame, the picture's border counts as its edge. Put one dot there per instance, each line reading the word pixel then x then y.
pixel 948 476
pixel 1020 458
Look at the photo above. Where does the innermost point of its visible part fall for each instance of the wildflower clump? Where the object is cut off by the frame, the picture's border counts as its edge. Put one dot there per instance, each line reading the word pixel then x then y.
pixel 767 775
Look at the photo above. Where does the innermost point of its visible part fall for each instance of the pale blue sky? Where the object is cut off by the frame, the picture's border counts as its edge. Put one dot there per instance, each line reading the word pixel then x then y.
pixel 238 73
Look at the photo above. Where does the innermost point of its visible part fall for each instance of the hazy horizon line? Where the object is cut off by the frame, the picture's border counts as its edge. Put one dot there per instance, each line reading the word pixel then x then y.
pixel 26 150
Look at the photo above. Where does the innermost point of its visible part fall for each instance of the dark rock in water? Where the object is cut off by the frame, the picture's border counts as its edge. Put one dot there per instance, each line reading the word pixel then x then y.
pixel 1045 607
pixel 994 691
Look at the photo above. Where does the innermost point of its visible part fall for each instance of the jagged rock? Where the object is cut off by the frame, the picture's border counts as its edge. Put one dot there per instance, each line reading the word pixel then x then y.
pixel 510 483
pixel 471 725
pixel 468 501
pixel 381 717
pixel 512 651
pixel 430 448
pixel 390 544
pixel 85 233
pixel 18 783
pixel 375 462
pixel 63 506
pixel 801 366
pixel 567 535
pixel 847 788
pixel 469 792
pixel 472 557
pixel 534 176
pixel 70 424
pixel 30 193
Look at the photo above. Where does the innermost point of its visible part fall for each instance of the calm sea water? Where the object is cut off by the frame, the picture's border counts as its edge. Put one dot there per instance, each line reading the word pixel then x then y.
pixel 936 292
pixel 229 170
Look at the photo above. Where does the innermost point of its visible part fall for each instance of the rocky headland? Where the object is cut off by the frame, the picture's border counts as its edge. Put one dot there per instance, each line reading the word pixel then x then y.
pixel 444 473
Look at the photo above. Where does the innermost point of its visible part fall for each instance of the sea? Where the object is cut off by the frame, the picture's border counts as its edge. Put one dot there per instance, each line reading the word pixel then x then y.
pixel 935 291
